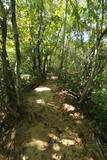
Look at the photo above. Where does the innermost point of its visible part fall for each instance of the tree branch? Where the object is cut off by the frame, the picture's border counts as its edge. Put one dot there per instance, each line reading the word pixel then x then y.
pixel 101 36
pixel 1 4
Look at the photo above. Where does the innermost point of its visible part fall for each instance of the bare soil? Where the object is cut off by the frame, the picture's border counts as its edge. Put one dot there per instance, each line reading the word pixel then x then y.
pixel 51 129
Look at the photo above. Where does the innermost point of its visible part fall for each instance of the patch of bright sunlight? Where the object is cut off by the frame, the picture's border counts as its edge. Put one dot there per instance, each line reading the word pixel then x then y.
pixel 56 156
pixel 53 136
pixel 41 145
pixel 13 134
pixel 40 101
pixel 63 92
pixel 24 157
pixel 68 107
pixel 78 122
pixel 78 141
pixel 9 145
pixel 89 158
pixel 50 104
pixel 67 142
pixel 25 76
pixel 56 147
pixel 54 77
pixel 77 115
pixel 41 89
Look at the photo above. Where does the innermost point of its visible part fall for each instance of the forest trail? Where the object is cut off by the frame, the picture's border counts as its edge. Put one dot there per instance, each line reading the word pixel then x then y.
pixel 53 128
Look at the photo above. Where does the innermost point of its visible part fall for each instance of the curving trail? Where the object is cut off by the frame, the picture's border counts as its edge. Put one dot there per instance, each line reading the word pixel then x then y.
pixel 53 129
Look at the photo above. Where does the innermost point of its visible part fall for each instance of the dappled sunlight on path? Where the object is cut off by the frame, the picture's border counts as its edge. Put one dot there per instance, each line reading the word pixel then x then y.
pixel 53 128
pixel 41 89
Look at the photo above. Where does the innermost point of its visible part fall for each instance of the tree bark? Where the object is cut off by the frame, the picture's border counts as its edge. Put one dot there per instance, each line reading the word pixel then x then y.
pixel 17 49
pixel 33 49
pixel 39 41
pixel 34 67
pixel 7 74
pixel 63 40
pixel 44 64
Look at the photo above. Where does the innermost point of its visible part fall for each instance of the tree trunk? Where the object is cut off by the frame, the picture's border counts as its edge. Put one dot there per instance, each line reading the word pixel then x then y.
pixel 94 72
pixel 17 49
pixel 34 67
pixel 45 60
pixel 7 74
pixel 39 55
pixel 63 40
pixel 39 41
pixel 33 49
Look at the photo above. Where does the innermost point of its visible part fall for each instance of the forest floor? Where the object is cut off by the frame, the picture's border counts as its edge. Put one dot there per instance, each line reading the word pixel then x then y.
pixel 51 129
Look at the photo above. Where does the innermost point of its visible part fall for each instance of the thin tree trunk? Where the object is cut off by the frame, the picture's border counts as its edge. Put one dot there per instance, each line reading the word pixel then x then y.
pixel 63 40
pixel 32 49
pixel 17 49
pixel 34 67
pixel 39 55
pixel 44 64
pixel 39 42
pixel 94 71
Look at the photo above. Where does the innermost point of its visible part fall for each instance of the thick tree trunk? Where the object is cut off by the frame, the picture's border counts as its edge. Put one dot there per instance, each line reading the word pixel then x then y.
pixel 7 74
pixel 17 48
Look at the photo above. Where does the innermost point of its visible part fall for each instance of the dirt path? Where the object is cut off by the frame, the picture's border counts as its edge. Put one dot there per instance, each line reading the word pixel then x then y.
pixel 53 129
